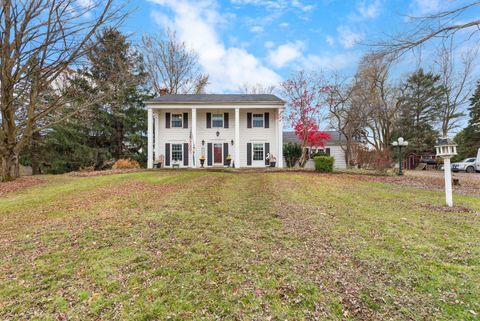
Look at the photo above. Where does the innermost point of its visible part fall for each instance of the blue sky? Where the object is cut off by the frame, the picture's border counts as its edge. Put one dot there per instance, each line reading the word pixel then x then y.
pixel 263 41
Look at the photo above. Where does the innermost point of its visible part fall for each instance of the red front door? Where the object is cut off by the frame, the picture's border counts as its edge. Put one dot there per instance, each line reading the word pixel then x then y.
pixel 217 154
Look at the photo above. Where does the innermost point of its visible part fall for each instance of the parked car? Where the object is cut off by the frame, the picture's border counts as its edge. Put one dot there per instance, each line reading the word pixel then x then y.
pixel 469 165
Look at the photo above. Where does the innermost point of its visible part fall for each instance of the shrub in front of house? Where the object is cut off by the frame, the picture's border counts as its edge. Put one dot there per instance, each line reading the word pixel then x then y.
pixel 126 164
pixel 324 164
pixel 318 154
pixel 292 153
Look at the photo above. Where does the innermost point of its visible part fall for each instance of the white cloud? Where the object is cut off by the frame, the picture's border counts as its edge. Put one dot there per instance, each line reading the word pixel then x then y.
pixel 284 25
pixel 85 3
pixel 348 38
pixel 228 67
pixel 369 9
pixel 285 54
pixel 329 40
pixel 299 5
pixel 256 29
pixel 276 4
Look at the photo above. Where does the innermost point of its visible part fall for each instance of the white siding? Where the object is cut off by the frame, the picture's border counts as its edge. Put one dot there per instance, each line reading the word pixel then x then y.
pixel 338 154
pixel 226 135
pixel 173 135
pixel 257 135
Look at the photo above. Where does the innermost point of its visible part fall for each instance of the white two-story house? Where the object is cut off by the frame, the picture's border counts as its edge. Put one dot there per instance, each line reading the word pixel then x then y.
pixel 182 129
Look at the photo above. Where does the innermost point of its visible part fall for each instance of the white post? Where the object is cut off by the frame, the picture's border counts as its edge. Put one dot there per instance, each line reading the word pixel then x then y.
pixel 280 138
pixel 194 138
pixel 448 181
pixel 237 138
pixel 149 138
pixel 157 135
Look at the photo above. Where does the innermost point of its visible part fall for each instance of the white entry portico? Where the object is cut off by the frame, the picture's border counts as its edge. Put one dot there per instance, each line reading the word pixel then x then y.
pixel 243 128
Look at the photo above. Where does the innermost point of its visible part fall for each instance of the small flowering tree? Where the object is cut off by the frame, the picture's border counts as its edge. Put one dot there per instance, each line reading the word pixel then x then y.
pixel 307 96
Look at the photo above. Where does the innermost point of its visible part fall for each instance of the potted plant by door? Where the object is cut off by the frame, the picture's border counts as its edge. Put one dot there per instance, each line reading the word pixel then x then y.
pixel 273 161
pixel 202 160
pixel 228 160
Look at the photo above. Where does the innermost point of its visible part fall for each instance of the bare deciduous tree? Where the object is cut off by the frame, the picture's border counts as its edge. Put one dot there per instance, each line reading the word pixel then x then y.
pixel 455 78
pixel 347 118
pixel 378 98
pixel 40 40
pixel 172 65
pixel 256 89
pixel 442 25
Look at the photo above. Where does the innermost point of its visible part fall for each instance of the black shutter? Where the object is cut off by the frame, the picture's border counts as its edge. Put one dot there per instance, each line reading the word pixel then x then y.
pixel 167 154
pixel 167 120
pixel 249 120
pixel 209 154
pixel 209 120
pixel 267 120
pixel 328 151
pixel 185 120
pixel 185 154
pixel 225 120
pixel 249 154
pixel 225 153
pixel 267 150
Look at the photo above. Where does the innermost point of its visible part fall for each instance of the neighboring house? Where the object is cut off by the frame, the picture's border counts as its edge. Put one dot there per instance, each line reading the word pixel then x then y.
pixel 333 147
pixel 182 128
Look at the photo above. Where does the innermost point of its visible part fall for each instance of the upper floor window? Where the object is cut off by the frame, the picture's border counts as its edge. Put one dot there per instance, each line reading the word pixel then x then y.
pixel 177 121
pixel 217 120
pixel 257 120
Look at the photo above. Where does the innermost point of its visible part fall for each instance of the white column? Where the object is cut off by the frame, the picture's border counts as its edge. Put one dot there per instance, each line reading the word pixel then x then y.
pixel 448 181
pixel 149 138
pixel 157 135
pixel 280 138
pixel 194 138
pixel 237 138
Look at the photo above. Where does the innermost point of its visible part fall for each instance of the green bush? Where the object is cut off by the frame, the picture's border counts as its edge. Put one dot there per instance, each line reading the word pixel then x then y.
pixel 318 154
pixel 292 153
pixel 324 164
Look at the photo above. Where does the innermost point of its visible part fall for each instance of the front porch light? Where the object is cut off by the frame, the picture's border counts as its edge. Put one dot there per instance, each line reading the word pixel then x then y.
pixel 203 142
pixel 218 133
pixel 232 142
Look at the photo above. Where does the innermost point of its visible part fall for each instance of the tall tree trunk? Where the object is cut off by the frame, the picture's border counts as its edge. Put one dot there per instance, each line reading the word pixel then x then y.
pixel 10 167
pixel 348 153
pixel 119 139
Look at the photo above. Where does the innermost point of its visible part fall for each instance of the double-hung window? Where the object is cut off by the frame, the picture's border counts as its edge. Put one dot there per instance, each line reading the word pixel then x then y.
pixel 177 121
pixel 217 120
pixel 177 152
pixel 258 152
pixel 257 120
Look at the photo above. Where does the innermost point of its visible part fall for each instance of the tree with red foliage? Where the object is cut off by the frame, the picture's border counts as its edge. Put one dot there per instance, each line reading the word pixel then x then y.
pixel 307 95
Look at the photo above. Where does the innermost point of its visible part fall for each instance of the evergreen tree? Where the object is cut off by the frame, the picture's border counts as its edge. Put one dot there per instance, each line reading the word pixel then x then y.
pixel 114 127
pixel 117 72
pixel 468 139
pixel 419 104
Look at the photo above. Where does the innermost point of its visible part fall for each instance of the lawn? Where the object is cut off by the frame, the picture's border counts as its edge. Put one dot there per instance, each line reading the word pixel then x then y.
pixel 195 245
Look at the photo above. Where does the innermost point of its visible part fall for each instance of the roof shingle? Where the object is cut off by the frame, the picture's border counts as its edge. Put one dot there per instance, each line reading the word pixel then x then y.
pixel 218 99
pixel 337 138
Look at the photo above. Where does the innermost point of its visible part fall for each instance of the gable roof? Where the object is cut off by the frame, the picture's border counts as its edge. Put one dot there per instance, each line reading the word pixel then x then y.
pixel 337 138
pixel 245 99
